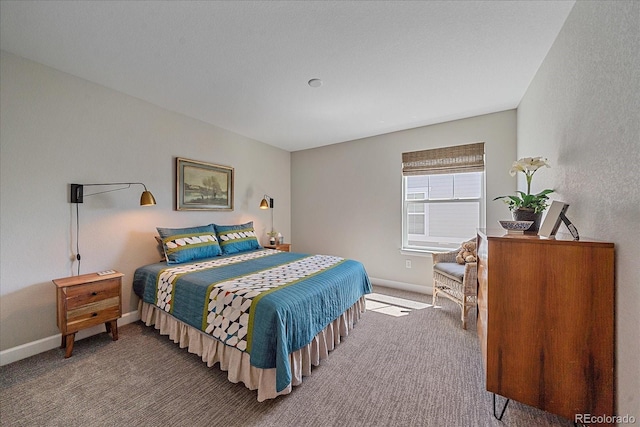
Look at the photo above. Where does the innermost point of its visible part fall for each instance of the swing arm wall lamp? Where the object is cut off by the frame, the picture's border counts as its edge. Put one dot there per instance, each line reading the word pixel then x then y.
pixel 77 192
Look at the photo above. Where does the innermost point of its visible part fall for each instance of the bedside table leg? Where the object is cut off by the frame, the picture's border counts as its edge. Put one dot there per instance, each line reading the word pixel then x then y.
pixel 69 345
pixel 112 327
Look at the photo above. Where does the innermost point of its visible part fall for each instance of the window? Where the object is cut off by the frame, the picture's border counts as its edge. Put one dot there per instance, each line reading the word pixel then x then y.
pixel 443 196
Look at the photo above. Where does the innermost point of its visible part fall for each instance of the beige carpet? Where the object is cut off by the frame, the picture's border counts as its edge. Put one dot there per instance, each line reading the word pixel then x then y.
pixel 421 369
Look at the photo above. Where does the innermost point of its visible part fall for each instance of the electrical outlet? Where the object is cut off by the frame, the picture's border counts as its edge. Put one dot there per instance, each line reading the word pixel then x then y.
pixel 407 263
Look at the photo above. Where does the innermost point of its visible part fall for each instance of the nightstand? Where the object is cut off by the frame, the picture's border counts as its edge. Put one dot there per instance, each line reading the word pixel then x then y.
pixel 88 300
pixel 284 247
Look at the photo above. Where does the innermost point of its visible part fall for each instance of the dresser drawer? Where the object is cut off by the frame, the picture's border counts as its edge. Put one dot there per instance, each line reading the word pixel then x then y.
pixel 81 295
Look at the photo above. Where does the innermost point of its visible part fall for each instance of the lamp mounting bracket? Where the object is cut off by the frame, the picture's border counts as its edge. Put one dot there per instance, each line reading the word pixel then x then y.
pixel 77 191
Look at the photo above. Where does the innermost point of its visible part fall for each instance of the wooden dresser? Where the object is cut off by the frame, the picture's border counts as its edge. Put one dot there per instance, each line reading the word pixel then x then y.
pixel 546 321
pixel 88 300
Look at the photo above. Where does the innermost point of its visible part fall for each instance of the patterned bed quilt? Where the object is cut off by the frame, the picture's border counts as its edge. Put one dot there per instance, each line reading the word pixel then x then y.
pixel 264 302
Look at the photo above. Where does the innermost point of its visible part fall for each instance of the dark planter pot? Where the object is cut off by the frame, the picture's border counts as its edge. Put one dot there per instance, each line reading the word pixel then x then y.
pixel 524 214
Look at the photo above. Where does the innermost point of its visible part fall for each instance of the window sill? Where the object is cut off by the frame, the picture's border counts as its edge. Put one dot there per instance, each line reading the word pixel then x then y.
pixel 426 252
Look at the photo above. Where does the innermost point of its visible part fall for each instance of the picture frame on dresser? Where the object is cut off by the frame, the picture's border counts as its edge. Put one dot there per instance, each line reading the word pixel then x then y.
pixel 203 186
pixel 553 219
pixel 555 215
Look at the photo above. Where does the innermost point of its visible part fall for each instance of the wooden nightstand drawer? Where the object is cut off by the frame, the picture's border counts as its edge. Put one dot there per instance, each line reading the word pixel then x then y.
pixel 88 300
pixel 93 314
pixel 80 295
pixel 284 247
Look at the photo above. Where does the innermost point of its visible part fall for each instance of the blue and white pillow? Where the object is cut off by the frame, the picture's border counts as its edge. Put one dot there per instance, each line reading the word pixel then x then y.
pixel 187 244
pixel 237 238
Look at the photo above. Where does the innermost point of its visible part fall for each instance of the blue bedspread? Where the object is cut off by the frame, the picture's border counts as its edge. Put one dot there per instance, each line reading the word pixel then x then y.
pixel 264 302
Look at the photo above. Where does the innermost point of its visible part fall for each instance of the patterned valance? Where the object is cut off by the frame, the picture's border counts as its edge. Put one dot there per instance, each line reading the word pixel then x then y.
pixel 461 158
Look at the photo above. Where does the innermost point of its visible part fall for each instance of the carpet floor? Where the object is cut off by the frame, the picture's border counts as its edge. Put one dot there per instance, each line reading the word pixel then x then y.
pixel 420 369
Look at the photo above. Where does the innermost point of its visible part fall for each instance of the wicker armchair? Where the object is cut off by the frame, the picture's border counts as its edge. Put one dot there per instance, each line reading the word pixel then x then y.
pixel 455 281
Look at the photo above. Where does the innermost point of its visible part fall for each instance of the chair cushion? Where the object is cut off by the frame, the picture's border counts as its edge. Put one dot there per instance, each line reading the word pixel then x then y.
pixel 453 270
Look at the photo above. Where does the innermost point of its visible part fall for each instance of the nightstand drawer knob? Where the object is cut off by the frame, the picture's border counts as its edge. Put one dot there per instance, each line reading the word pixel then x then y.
pixel 94 314
pixel 94 293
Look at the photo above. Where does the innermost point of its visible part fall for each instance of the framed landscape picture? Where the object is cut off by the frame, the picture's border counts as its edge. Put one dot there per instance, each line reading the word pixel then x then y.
pixel 203 186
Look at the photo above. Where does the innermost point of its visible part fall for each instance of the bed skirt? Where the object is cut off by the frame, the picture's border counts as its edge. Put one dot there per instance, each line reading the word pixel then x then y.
pixel 237 363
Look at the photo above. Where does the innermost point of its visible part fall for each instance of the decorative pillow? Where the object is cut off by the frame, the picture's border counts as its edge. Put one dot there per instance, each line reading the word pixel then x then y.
pixel 237 238
pixel 187 244
pixel 163 255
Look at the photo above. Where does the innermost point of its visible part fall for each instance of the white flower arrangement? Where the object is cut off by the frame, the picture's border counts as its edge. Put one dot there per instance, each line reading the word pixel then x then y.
pixel 536 202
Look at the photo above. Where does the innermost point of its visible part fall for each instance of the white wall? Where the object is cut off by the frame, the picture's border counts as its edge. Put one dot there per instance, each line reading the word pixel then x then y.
pixel 346 198
pixel 582 111
pixel 57 129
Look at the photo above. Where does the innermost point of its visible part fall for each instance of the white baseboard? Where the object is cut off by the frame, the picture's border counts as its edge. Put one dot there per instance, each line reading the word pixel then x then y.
pixel 401 285
pixel 45 344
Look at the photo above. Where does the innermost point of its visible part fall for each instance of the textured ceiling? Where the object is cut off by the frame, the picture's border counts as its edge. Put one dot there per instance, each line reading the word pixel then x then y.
pixel 244 66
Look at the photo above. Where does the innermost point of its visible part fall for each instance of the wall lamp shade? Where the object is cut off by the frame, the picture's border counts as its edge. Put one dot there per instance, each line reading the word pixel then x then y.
pixel 77 192
pixel 147 199
pixel 266 203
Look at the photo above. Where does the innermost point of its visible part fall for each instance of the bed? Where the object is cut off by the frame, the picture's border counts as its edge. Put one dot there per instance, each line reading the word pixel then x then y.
pixel 264 315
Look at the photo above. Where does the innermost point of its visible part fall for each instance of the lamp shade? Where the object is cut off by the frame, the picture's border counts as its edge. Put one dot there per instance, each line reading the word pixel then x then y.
pixel 264 204
pixel 147 199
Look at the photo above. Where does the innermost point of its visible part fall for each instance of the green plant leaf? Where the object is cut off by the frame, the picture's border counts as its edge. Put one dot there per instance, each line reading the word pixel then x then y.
pixel 544 193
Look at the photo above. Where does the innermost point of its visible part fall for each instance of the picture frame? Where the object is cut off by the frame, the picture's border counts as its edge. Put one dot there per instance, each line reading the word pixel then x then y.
pixel 203 186
pixel 552 220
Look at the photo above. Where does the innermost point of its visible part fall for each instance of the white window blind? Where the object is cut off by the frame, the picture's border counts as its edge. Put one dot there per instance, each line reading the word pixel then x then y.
pixel 443 196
